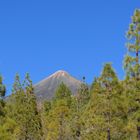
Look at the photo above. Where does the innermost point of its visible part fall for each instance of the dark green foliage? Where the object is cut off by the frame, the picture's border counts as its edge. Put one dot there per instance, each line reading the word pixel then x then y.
pixel 2 88
pixel 2 94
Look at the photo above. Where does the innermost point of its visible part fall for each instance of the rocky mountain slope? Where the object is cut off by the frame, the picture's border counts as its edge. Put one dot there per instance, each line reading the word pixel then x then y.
pixel 46 88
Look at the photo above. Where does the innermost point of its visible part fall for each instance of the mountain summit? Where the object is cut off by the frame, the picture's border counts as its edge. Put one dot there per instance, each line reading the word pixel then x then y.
pixel 59 74
pixel 46 88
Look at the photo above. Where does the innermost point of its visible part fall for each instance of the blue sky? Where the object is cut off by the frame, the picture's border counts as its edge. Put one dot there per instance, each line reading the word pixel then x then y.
pixel 79 36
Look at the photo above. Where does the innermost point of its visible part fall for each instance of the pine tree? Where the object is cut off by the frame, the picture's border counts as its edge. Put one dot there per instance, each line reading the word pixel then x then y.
pixel 23 110
pixel 108 80
pixel 80 101
pixel 56 118
pixel 62 92
pixel 83 94
pixel 132 66
pixel 131 62
pixel 93 121
pixel 2 94
pixel 3 131
pixel 102 117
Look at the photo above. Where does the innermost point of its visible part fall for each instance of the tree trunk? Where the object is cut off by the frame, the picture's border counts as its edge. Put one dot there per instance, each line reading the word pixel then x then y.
pixel 108 134
pixel 138 129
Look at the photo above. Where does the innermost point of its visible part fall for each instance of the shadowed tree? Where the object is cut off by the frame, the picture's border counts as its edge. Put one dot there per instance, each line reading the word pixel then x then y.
pixel 2 94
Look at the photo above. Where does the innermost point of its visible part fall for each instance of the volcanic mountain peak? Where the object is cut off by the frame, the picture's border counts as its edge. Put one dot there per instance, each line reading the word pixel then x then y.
pixel 59 73
pixel 47 87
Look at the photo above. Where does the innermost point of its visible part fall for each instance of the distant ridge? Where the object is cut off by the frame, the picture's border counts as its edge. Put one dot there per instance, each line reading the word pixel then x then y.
pixel 46 88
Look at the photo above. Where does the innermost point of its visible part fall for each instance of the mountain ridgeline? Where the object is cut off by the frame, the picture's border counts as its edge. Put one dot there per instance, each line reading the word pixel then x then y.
pixel 46 88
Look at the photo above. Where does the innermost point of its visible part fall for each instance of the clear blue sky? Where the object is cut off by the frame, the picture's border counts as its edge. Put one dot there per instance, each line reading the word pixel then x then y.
pixel 79 36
